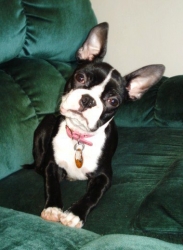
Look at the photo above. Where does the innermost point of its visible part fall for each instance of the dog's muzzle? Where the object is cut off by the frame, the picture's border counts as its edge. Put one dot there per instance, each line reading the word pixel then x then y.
pixel 86 102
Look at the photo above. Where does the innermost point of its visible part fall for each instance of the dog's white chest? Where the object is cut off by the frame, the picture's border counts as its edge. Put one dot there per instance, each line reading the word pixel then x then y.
pixel 64 153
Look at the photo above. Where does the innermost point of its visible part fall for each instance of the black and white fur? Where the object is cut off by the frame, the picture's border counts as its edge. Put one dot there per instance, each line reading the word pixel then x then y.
pixel 91 98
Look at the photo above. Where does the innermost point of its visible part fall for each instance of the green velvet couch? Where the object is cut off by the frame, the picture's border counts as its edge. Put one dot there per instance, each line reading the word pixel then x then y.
pixel 144 207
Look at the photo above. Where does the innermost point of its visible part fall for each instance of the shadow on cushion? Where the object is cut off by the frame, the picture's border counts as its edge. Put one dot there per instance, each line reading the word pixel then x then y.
pixel 162 209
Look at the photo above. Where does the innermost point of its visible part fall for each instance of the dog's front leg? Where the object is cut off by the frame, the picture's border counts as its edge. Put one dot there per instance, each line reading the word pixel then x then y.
pixel 53 205
pixel 77 213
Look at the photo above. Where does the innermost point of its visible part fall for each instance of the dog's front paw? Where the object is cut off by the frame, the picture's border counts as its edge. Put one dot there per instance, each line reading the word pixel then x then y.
pixel 70 220
pixel 52 214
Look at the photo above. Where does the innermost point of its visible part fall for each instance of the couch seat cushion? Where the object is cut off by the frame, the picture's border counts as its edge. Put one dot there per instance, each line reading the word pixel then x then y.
pixel 143 159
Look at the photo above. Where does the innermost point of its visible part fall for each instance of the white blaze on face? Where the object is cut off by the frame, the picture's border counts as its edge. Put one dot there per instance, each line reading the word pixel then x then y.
pixel 98 90
pixel 87 120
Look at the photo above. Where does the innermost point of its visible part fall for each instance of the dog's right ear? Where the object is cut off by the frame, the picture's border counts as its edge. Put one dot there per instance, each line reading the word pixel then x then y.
pixel 95 46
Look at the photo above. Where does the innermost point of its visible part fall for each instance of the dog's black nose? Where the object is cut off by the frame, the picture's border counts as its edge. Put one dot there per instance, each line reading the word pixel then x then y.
pixel 86 102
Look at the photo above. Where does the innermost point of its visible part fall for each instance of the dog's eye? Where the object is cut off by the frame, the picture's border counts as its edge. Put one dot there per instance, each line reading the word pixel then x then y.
pixel 80 78
pixel 113 102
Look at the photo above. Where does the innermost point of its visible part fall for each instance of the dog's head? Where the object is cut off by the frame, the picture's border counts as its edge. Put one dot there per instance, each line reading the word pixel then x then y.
pixel 95 91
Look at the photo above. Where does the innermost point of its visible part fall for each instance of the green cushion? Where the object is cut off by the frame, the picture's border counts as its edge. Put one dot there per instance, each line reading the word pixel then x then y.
pixel 12 29
pixel 160 106
pixel 24 231
pixel 46 29
pixel 139 113
pixel 161 210
pixel 129 242
pixel 29 89
pixel 143 158
pixel 169 104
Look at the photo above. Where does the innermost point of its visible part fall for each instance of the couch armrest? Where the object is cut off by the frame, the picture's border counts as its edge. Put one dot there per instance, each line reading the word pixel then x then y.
pixel 169 103
pixel 161 106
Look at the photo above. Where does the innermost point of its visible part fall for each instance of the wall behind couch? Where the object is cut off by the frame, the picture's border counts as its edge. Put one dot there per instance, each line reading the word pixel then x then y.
pixel 143 32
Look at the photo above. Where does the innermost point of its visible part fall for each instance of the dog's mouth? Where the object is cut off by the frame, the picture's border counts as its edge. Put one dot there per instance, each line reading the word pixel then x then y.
pixel 77 112
pixel 67 111
pixel 74 114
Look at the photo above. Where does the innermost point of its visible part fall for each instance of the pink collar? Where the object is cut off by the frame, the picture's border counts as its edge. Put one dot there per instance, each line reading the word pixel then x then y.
pixel 78 136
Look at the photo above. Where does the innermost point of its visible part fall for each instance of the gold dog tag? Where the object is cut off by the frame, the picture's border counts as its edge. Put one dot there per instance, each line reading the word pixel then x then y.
pixel 79 158
pixel 78 155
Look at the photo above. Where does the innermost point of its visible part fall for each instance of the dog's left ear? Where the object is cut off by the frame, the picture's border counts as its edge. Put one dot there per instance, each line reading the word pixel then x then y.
pixel 139 81
pixel 95 46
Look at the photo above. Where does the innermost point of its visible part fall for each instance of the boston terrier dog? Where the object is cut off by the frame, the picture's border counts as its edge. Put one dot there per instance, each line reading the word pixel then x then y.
pixel 79 143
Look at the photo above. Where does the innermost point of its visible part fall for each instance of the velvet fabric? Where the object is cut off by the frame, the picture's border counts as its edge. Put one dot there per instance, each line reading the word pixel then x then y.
pixel 51 30
pixel 145 197
pixel 165 199
pixel 140 113
pixel 12 29
pixel 168 108
pixel 129 242
pixel 161 106
pixel 24 231
pixel 25 97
